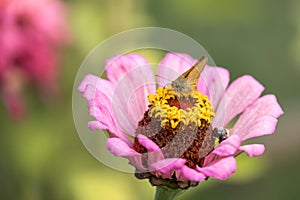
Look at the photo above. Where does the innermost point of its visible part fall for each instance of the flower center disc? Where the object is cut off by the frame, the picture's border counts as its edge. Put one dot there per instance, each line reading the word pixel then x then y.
pixel 178 123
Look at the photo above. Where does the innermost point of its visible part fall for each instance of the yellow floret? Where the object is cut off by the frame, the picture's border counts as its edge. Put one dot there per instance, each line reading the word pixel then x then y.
pixel 160 109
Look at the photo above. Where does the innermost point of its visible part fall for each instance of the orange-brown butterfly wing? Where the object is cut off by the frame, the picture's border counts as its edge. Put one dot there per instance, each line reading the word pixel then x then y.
pixel 192 75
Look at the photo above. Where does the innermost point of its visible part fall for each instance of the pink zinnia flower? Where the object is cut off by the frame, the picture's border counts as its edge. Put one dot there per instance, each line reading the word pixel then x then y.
pixel 124 105
pixel 32 31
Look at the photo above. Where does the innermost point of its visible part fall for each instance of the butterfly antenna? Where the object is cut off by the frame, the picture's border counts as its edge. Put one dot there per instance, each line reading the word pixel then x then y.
pixel 163 77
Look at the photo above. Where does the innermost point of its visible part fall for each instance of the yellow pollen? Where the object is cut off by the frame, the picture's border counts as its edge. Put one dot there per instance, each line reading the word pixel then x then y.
pixel 200 111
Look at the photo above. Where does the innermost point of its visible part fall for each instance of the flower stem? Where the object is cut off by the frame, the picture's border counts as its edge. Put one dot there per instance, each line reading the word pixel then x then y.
pixel 164 193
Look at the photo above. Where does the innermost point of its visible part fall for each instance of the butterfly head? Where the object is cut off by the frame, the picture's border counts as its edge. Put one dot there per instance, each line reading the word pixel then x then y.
pixel 181 86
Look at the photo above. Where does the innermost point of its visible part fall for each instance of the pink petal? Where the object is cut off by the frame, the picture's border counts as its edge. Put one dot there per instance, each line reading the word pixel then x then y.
pixel 172 66
pixel 118 66
pixel 263 125
pixel 253 149
pixel 126 100
pixel 239 95
pixel 169 164
pixel 97 98
pixel 228 147
pixel 266 105
pixel 220 169
pixel 146 142
pixel 154 153
pixel 112 131
pixel 132 84
pixel 95 125
pixel 154 157
pixel 186 173
pixel 129 104
pixel 119 148
pixel 213 83
pixel 98 93
pixel 136 161
pixel 101 114
pixel 100 106
pixel 98 84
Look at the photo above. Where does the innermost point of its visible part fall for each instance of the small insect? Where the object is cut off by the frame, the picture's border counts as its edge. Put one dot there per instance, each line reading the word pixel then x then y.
pixel 208 143
pixel 188 80
pixel 221 133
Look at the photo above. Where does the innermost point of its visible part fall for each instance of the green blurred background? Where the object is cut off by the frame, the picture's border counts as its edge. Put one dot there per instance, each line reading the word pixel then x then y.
pixel 42 157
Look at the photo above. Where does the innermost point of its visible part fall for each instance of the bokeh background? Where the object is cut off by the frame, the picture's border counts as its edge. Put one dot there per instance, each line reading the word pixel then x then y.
pixel 42 157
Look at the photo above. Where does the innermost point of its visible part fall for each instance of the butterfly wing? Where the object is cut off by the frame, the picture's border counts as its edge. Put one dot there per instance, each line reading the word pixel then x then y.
pixel 192 75
pixel 208 143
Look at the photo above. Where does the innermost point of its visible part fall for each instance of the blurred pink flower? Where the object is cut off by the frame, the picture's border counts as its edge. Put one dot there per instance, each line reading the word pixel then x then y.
pixel 32 31
pixel 119 103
